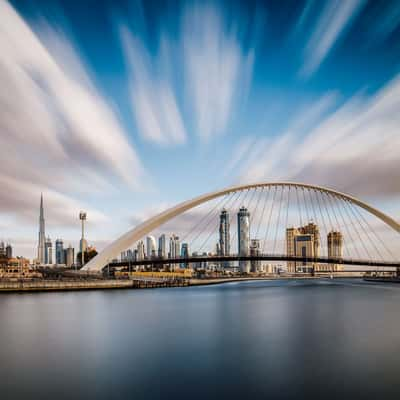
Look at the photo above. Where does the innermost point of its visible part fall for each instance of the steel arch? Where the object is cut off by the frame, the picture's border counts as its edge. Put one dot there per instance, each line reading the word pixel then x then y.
pixel 126 240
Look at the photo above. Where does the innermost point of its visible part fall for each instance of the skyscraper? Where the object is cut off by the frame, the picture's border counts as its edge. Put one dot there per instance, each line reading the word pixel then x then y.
pixel 185 254
pixel 224 244
pixel 224 234
pixel 174 249
pixel 9 251
pixel 69 256
pixel 42 237
pixel 243 223
pixel 162 246
pixel 60 259
pixel 48 251
pixel 335 247
pixel 255 250
pixel 150 247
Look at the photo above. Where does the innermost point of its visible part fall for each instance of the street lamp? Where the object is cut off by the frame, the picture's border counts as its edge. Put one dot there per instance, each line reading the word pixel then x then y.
pixel 82 217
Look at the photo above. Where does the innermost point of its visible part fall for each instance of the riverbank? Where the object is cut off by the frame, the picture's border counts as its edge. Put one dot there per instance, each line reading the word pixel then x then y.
pixel 93 284
pixel 63 285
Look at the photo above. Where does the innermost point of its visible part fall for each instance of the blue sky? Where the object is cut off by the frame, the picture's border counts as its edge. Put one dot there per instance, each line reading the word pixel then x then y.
pixel 124 108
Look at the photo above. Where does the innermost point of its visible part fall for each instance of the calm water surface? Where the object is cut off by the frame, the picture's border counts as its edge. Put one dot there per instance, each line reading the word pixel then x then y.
pixel 278 340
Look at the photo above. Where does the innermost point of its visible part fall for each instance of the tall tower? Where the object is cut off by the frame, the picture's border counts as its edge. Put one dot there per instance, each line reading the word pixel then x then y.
pixel 42 238
pixel 83 242
pixel 150 247
pixel 243 224
pixel 162 246
pixel 224 234
pixel 60 259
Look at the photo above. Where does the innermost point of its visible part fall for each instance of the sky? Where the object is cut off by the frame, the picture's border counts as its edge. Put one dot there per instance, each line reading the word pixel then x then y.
pixel 123 108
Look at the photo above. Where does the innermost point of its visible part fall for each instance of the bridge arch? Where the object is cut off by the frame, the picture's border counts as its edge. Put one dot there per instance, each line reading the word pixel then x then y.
pixel 135 234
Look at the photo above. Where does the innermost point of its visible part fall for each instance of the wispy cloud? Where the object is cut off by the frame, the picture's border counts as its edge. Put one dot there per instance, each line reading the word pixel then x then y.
pixel 334 20
pixel 56 129
pixel 218 68
pixel 154 102
pixel 353 148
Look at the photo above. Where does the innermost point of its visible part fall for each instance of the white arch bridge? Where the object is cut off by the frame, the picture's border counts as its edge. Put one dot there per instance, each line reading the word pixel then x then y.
pixel 277 211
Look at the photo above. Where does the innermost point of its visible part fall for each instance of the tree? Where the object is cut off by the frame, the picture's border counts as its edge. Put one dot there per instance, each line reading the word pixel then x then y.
pixel 87 256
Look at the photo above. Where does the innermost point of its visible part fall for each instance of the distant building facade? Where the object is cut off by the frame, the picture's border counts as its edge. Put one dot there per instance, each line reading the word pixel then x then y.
pixel 303 242
pixel 162 246
pixel 48 253
pixel 60 256
pixel 335 248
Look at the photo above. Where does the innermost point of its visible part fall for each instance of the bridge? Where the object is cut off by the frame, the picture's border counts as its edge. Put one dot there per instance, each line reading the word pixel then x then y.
pixel 295 223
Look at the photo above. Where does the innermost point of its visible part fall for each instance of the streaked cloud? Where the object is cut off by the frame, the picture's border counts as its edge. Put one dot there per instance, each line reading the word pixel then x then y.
pixel 56 129
pixel 335 18
pixel 354 148
pixel 218 69
pixel 154 102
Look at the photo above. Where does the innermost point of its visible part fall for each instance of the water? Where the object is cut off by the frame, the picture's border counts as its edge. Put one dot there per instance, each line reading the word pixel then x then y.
pixel 279 339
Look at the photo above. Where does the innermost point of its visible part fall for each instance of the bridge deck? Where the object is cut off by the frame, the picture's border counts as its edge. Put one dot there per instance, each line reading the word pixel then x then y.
pixel 262 257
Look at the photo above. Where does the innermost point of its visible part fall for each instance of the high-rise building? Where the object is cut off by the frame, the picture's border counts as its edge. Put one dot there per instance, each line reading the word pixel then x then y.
pixel 48 251
pixel 174 249
pixel 150 247
pixel 185 254
pixel 69 256
pixel 8 251
pixel 302 242
pixel 162 246
pixel 255 250
pixel 335 248
pixel 224 244
pixel 243 223
pixel 129 255
pixel 42 238
pixel 224 234
pixel 2 249
pixel 140 252
pixel 60 258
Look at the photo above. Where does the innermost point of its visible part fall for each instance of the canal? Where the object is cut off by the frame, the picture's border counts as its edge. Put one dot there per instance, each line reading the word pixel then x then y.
pixel 257 340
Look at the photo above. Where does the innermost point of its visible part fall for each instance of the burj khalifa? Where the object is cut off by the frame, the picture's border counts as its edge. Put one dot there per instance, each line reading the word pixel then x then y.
pixel 42 237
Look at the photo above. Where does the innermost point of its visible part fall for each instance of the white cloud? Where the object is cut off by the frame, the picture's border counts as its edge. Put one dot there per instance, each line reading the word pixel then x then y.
pixel 354 148
pixel 218 70
pixel 154 103
pixel 58 135
pixel 336 17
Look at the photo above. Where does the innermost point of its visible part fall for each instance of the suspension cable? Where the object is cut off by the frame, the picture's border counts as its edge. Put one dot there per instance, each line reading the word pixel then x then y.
pixel 262 214
pixel 278 219
pixel 298 205
pixel 329 197
pixel 214 215
pixel 341 200
pixel 365 231
pixel 305 205
pixel 253 213
pixel 269 218
pixel 358 233
pixel 191 230
pixel 316 193
pixel 375 234
pixel 287 218
pixel 212 232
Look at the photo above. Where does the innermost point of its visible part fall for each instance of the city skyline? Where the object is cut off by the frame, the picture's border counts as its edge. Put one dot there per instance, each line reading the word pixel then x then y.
pixel 288 107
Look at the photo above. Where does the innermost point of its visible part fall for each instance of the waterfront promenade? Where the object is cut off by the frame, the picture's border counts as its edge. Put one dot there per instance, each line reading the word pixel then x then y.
pixel 91 284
